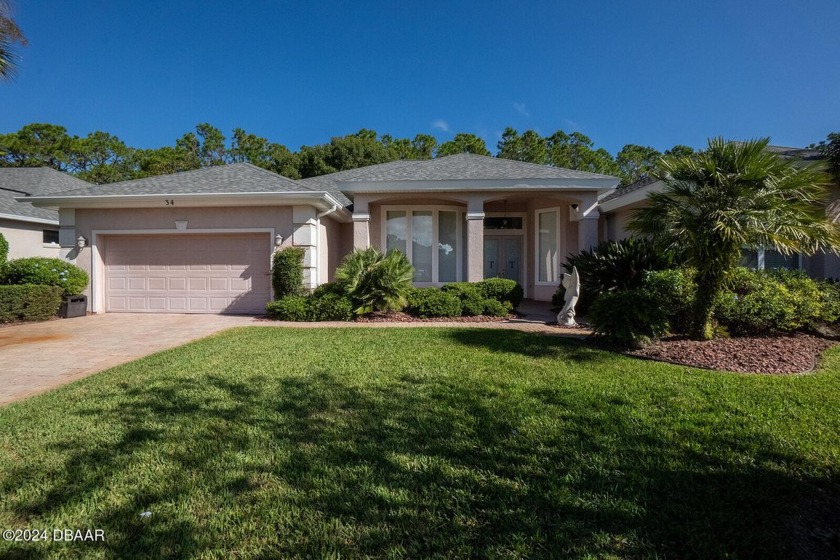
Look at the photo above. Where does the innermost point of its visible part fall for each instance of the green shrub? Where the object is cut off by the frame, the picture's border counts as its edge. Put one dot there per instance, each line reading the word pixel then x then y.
pixel 375 281
pixel 334 288
pixel 496 308
pixel 472 299
pixel 674 291
pixel 46 271
pixel 288 308
pixel 502 290
pixel 329 307
pixel 29 302
pixel 630 318
pixel 611 266
pixel 287 272
pixel 432 302
pixel 780 301
pixel 4 250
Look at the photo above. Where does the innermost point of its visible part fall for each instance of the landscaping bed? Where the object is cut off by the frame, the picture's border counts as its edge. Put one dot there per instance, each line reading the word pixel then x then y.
pixel 779 354
pixel 400 317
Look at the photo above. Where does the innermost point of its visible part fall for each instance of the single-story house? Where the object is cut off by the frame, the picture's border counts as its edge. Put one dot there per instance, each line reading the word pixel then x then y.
pixel 31 231
pixel 617 207
pixel 201 241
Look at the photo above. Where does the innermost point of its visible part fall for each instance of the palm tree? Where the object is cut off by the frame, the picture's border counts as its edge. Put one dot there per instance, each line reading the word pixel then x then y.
pixel 10 34
pixel 730 196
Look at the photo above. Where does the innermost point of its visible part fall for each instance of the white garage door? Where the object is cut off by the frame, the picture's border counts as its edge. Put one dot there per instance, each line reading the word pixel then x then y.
pixel 219 273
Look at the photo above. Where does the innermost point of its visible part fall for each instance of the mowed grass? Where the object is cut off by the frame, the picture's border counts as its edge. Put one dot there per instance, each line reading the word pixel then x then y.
pixel 419 443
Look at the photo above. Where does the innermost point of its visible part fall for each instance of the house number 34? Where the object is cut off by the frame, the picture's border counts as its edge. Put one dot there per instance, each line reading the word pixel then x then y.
pixel 169 202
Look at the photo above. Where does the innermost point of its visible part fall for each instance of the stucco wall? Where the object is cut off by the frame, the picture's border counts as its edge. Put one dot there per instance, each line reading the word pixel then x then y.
pixel 140 219
pixel 27 239
pixel 330 250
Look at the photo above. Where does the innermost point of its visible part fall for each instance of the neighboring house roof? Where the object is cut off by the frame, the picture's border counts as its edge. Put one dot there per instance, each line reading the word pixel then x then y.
pixel 32 181
pixel 621 191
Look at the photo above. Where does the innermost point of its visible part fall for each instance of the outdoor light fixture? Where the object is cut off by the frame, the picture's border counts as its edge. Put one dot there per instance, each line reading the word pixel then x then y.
pixel 278 240
pixel 81 242
pixel 575 207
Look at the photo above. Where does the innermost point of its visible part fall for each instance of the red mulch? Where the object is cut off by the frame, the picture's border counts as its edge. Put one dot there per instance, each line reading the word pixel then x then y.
pixel 779 355
pixel 400 317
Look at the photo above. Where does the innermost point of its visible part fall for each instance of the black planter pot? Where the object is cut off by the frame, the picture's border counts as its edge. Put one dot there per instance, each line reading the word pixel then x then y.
pixel 73 306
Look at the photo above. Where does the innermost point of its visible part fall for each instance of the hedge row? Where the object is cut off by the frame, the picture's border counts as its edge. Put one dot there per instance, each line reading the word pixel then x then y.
pixel 29 302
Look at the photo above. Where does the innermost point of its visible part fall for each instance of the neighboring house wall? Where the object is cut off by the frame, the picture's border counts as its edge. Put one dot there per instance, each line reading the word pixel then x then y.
pixel 26 239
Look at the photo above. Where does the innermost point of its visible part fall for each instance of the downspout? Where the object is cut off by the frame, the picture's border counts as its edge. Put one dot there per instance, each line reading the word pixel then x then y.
pixel 318 240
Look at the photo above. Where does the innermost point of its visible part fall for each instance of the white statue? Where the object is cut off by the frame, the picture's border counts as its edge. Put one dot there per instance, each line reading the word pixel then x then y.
pixel 571 282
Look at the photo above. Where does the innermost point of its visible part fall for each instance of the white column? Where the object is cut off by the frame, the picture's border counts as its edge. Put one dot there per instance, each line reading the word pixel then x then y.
pixel 361 230
pixel 305 223
pixel 588 231
pixel 475 246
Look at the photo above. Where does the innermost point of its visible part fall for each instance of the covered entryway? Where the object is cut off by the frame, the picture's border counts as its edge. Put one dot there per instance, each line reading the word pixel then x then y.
pixel 187 273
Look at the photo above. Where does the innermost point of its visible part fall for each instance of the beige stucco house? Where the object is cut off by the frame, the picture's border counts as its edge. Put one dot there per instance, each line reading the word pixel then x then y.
pixel 201 241
pixel 31 231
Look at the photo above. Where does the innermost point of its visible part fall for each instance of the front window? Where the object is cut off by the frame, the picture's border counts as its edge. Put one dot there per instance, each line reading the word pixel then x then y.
pixel 547 247
pixel 430 238
pixel 50 236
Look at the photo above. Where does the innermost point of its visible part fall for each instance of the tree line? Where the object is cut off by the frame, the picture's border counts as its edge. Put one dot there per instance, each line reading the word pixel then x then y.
pixel 101 157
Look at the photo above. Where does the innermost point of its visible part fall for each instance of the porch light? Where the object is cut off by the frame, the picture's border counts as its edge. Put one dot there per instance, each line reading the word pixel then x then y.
pixel 575 207
pixel 278 240
pixel 81 242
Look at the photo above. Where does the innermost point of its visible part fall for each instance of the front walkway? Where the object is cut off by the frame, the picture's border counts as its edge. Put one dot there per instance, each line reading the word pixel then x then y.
pixel 37 357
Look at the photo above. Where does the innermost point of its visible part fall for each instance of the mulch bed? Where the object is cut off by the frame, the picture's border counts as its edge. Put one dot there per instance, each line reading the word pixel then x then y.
pixel 399 317
pixel 778 355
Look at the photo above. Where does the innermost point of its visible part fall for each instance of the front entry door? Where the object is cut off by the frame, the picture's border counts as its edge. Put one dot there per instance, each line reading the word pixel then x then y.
pixel 503 257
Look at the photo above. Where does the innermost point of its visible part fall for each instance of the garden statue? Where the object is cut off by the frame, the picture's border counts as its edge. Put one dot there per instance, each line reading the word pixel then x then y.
pixel 571 283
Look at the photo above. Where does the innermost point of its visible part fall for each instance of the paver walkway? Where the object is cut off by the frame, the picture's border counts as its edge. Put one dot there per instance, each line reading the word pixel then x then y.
pixel 37 357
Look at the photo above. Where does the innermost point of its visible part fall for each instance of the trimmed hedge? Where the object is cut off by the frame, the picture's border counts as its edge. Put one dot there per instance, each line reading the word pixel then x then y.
pixel 674 291
pixel 322 307
pixel 432 302
pixel 4 250
pixel 779 301
pixel 472 299
pixel 46 271
pixel 29 302
pixel 287 271
pixel 502 290
pixel 629 318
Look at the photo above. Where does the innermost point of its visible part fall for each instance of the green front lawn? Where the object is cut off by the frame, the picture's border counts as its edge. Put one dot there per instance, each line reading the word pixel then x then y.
pixel 267 442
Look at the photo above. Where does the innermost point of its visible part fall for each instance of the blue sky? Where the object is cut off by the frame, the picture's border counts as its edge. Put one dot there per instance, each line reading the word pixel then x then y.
pixel 655 73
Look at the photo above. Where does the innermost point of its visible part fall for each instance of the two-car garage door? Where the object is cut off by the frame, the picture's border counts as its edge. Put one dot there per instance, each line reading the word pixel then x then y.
pixel 187 273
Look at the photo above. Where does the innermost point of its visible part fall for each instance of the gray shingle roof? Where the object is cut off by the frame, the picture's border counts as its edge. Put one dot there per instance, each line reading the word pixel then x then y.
pixel 233 178
pixel 464 167
pixel 621 191
pixel 33 181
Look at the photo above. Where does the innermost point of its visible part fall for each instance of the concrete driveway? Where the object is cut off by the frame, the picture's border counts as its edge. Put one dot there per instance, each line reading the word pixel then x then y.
pixel 37 357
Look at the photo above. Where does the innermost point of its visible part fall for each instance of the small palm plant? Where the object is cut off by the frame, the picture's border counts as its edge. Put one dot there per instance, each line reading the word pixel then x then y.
pixel 376 281
pixel 730 196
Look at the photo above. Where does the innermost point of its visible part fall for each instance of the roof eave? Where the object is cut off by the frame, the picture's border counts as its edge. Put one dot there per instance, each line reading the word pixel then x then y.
pixel 29 219
pixel 456 185
pixel 633 197
pixel 321 200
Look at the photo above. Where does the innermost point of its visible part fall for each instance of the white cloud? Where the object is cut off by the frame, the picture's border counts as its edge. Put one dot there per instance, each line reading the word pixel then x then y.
pixel 441 124
pixel 522 109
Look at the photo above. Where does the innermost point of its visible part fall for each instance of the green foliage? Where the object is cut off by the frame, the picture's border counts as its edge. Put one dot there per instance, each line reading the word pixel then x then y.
pixel 329 307
pixel 734 195
pixel 674 291
pixel 46 271
pixel 463 143
pixel 432 302
pixel 376 281
pixel 471 296
pixel 830 149
pixel 611 266
pixel 10 37
pixel 287 271
pixel 637 162
pixel 288 308
pixel 496 308
pixel 4 250
pixel 629 318
pixel 28 302
pixel 782 301
pixel 503 290
pixel 335 288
